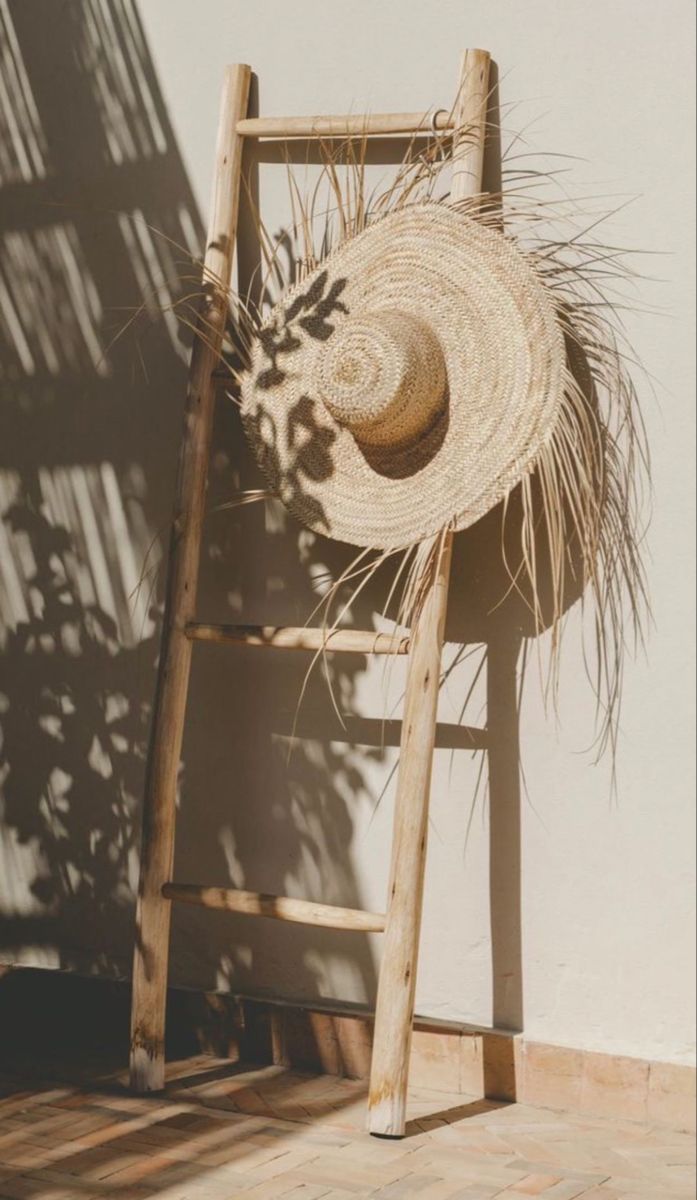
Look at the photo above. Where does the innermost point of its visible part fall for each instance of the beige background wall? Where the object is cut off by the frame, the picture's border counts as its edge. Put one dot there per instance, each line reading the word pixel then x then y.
pixel 587 941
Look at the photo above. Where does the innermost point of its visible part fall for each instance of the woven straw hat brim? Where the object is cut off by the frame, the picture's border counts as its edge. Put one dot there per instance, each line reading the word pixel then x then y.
pixel 504 355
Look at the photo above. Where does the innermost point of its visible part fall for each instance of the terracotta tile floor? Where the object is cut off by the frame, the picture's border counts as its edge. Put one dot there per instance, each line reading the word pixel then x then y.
pixel 222 1132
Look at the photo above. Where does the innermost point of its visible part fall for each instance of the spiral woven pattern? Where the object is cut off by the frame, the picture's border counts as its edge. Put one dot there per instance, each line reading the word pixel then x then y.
pixel 383 375
pixel 348 428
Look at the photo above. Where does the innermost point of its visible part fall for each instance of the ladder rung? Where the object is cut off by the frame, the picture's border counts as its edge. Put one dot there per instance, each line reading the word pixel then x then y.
pixel 283 908
pixel 287 637
pixel 355 124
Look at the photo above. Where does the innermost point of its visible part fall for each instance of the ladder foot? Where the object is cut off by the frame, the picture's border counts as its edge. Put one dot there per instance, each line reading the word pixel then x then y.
pixel 387 1119
pixel 147 1069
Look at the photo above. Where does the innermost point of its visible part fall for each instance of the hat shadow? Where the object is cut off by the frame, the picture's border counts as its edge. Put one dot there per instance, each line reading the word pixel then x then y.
pixel 407 460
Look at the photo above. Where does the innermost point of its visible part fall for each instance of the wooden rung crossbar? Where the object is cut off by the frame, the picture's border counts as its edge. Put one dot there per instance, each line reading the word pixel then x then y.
pixel 351 125
pixel 288 637
pixel 282 908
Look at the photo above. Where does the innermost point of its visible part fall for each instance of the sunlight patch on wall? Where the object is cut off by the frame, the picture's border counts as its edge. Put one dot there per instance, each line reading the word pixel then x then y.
pixel 18 868
pixel 97 523
pixel 23 151
pixel 50 303
pixel 114 58
pixel 157 272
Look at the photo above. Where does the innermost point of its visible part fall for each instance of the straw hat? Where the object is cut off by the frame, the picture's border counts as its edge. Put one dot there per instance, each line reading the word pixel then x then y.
pixel 408 383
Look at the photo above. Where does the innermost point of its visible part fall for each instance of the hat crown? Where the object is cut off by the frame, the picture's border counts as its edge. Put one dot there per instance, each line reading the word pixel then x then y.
pixel 382 376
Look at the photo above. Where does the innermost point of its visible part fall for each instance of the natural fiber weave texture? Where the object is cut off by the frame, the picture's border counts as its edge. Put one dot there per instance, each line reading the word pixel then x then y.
pixel 383 375
pixel 408 383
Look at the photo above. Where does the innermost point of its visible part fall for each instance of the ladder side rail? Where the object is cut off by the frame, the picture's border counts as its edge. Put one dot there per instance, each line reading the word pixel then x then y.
pixel 397 983
pixel 153 909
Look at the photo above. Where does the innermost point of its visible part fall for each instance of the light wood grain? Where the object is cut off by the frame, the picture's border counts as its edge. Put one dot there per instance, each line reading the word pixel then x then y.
pixel 395 1000
pixel 350 125
pixel 153 910
pixel 282 908
pixel 470 119
pixel 396 990
pixel 288 637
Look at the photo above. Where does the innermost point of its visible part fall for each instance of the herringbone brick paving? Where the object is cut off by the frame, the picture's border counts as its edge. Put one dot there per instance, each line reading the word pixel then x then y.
pixel 221 1132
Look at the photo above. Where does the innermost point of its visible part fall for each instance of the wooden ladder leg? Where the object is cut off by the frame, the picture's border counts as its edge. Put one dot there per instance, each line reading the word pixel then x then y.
pixel 153 910
pixel 394 1014
pixel 395 1003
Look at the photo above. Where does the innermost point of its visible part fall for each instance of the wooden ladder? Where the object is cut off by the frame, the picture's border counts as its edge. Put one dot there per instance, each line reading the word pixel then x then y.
pixel 402 920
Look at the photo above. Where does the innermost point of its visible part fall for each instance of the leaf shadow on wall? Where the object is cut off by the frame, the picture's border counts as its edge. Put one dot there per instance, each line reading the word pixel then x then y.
pixel 89 169
pixel 98 220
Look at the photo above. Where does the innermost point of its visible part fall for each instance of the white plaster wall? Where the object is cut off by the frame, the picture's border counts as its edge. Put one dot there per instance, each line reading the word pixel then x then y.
pixel 606 884
pixel 605 960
